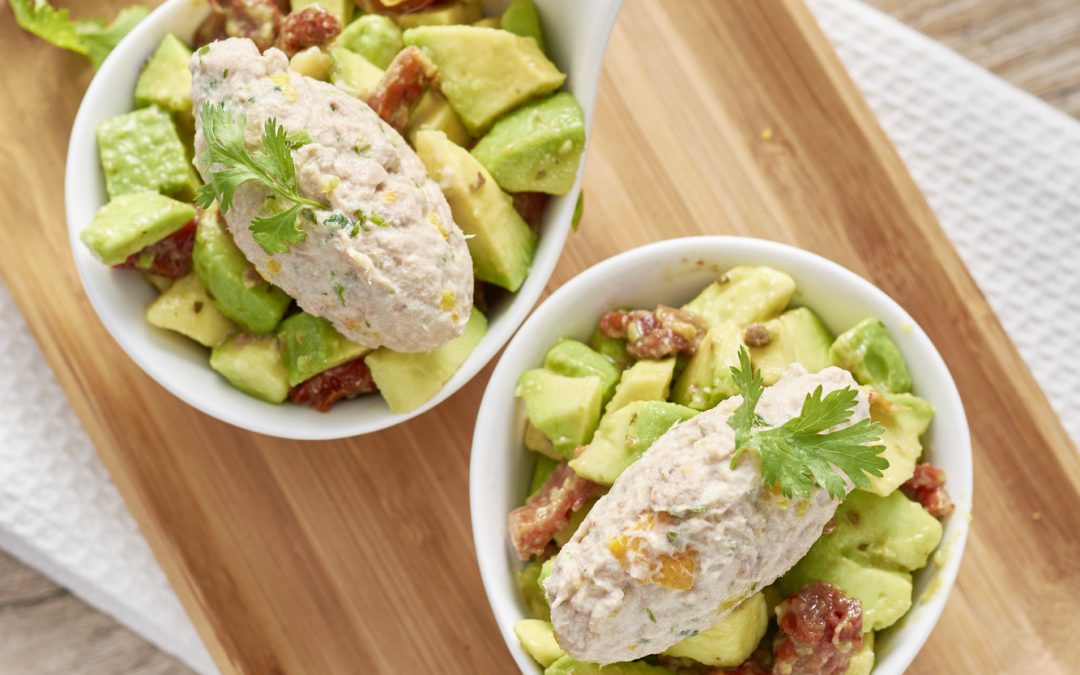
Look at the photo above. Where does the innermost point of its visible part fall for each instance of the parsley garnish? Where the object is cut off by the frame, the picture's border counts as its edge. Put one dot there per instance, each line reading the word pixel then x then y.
pixel 340 290
pixel 272 167
pixel 652 617
pixel 336 219
pixel 797 456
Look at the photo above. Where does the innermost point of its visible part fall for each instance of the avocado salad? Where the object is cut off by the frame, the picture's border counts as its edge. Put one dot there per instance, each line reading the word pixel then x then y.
pixel 330 197
pixel 722 488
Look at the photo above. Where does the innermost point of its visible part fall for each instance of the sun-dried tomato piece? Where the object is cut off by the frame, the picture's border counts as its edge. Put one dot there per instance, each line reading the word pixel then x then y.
pixel 927 486
pixel 312 26
pixel 211 29
pixel 169 257
pixel 255 19
pixel 820 630
pixel 530 206
pixel 347 381
pixel 533 525
pixel 654 335
pixel 404 82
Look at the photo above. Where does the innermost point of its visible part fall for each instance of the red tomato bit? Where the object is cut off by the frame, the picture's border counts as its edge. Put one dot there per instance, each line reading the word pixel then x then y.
pixel 170 257
pixel 346 381
pixel 820 630
pixel 927 487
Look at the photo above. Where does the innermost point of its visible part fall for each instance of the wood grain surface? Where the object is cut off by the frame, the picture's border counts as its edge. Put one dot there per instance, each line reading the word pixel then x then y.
pixel 356 556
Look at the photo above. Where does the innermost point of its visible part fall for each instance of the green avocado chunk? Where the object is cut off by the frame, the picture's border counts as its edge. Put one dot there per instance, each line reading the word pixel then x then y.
pixel 373 36
pixel 743 295
pixel 342 8
pixel 433 112
pixel 575 359
pixel 521 18
pixel 538 640
pixel 624 436
pixel 730 641
pixel 905 418
pixel 236 288
pixel 501 242
pixel 352 73
pixel 707 378
pixel 567 665
pixel 566 409
pixel 872 357
pixel 140 151
pixel 130 223
pixel 407 381
pixel 541 470
pixel 536 148
pixel 485 72
pixel 613 349
pixel 448 14
pixel 311 345
pixel 646 380
pixel 576 518
pixel 529 583
pixel 165 80
pixel 184 307
pixel 796 336
pixel 252 364
pixel 877 543
pixel 863 661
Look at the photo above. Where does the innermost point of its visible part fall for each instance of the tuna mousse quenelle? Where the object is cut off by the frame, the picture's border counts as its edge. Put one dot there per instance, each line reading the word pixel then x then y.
pixel 720 506
pixel 336 210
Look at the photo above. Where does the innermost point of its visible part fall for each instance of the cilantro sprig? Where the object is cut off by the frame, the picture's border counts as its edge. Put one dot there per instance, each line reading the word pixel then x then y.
pixel 272 167
pixel 799 455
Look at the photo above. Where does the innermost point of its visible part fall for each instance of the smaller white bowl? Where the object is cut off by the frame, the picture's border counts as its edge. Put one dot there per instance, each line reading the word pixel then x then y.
pixel 576 34
pixel 672 272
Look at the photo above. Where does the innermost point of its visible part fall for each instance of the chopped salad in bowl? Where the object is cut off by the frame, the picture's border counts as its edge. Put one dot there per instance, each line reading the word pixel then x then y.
pixel 730 467
pixel 334 202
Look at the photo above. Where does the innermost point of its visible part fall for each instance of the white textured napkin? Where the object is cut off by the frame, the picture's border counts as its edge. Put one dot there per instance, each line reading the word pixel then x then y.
pixel 999 167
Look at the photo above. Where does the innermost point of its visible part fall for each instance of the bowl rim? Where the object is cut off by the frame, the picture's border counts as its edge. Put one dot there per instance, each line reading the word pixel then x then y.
pixel 496 403
pixel 555 231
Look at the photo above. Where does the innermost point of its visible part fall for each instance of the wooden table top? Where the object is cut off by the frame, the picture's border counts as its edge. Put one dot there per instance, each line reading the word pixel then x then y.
pixel 43 629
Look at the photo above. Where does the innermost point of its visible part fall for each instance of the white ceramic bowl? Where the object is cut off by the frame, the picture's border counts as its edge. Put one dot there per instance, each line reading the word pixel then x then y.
pixel 672 272
pixel 576 35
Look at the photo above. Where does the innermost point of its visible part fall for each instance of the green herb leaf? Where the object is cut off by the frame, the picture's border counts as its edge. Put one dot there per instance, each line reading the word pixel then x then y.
pixel 798 456
pixel 273 167
pixel 90 37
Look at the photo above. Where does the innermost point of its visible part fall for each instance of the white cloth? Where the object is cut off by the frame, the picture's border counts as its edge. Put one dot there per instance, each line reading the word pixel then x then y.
pixel 999 167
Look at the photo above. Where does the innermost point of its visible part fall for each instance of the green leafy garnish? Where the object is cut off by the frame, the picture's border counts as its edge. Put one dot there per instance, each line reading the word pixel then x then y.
pixel 272 167
pixel 337 219
pixel 798 455
pixel 90 37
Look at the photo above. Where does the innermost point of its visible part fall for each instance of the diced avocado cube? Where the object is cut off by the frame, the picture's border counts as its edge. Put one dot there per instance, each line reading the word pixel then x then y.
pixel 877 543
pixel 566 409
pixel 529 583
pixel 186 308
pixel 563 535
pixel 743 295
pixel 352 73
pixel 521 18
pixel 707 378
pixel 311 345
pixel 541 470
pixel 536 148
pixel 140 151
pixel 575 359
pixel 433 112
pixel 536 441
pixel 342 8
pixel 461 11
pixel 872 357
pixel 796 336
pixel 624 436
pixel 160 283
pixel 373 36
pixel 732 640
pixel 252 364
pixel 501 243
pixel 312 62
pixel 646 380
pixel 485 72
pixel 488 22
pixel 538 640
pixel 613 349
pixel 407 381
pixel 236 288
pixel 165 80
pixel 863 661
pixel 129 223
pixel 567 665
pixel 905 418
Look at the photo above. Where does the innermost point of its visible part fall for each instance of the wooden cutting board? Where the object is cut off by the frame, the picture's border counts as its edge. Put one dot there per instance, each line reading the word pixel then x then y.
pixel 718 117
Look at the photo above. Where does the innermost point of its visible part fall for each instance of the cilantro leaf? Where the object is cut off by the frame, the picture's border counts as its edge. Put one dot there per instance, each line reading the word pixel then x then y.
pixel 90 37
pixel 800 455
pixel 272 167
